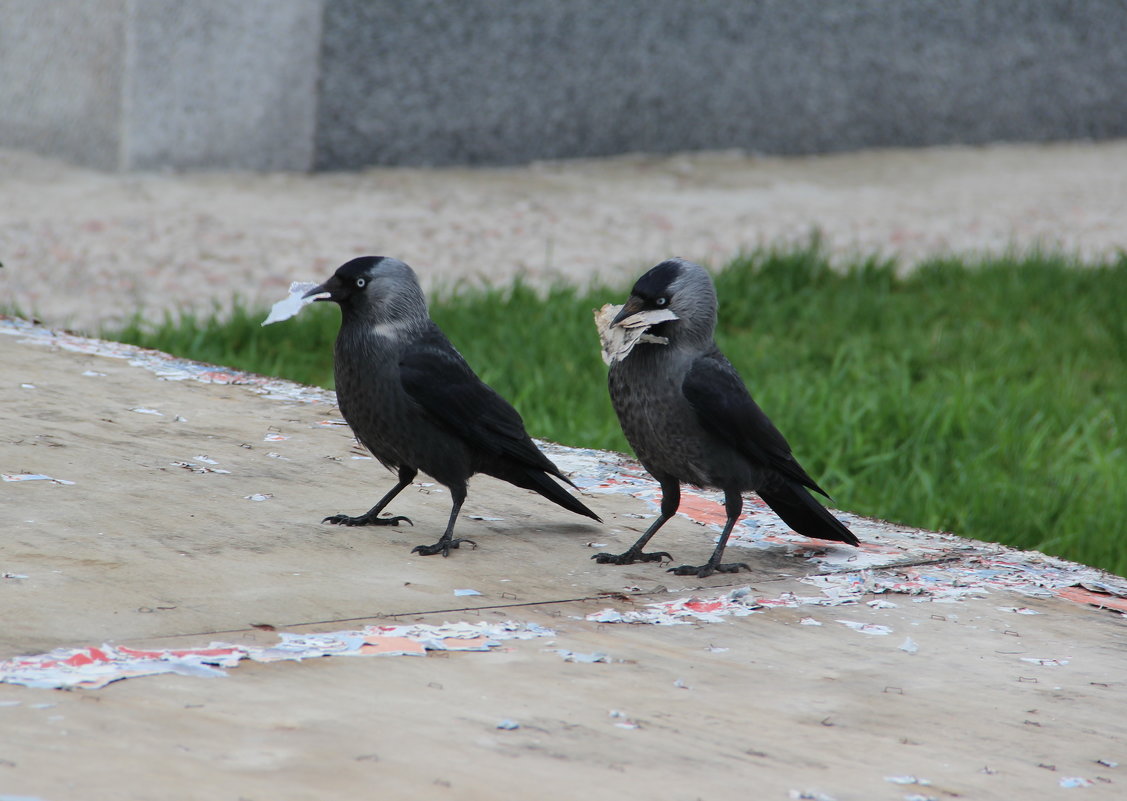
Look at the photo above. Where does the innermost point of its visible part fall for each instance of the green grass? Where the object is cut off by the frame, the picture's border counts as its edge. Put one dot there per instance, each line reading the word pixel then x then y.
pixel 984 398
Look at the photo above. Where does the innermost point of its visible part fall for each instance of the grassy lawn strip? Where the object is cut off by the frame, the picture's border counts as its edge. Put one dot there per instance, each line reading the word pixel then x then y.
pixel 986 397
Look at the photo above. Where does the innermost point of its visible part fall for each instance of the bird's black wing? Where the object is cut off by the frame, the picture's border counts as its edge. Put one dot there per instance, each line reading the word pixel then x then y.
pixel 726 409
pixel 437 378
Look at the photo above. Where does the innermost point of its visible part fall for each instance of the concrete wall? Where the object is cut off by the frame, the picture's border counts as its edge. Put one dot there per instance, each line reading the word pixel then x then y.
pixel 145 84
pixel 332 84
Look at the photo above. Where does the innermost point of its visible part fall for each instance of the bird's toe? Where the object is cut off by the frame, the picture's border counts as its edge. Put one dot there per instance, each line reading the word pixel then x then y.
pixel 630 557
pixel 442 546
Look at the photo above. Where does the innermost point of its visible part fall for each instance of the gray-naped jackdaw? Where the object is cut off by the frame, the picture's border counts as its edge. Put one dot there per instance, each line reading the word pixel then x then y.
pixel 414 402
pixel 689 418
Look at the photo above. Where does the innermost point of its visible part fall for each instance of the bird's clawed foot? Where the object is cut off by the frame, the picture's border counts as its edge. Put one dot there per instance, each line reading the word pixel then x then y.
pixel 366 520
pixel 703 571
pixel 630 557
pixel 442 546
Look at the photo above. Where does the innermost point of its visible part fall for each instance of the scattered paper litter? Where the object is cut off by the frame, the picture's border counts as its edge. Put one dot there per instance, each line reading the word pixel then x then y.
pixel 618 340
pixel 1020 610
pixel 93 374
pixel 508 725
pixel 809 795
pixel 259 496
pixel 200 468
pixel 466 592
pixel 142 410
pixel 738 603
pixel 12 576
pixel 809 621
pixel 293 303
pixel 92 668
pixel 1075 781
pixel 32 477
pixel 909 646
pixel 907 780
pixel 27 386
pixel 573 656
pixel 866 628
pixel 1044 662
pixel 275 437
pixel 1107 763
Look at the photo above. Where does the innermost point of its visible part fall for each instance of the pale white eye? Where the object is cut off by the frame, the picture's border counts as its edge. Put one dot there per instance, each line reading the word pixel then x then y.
pixel 360 283
pixel 661 301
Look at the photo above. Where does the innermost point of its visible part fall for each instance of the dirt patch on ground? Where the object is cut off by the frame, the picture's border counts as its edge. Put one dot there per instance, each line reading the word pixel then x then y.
pixel 82 248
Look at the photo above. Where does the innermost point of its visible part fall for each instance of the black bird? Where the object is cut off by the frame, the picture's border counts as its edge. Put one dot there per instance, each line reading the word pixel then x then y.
pixel 414 402
pixel 690 419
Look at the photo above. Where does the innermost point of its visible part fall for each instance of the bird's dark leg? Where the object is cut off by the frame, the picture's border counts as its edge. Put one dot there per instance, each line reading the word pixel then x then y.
pixel 733 505
pixel 371 517
pixel 447 541
pixel 670 500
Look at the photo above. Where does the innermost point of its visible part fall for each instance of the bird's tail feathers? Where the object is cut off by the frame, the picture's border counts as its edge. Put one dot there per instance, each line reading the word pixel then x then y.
pixel 541 482
pixel 804 514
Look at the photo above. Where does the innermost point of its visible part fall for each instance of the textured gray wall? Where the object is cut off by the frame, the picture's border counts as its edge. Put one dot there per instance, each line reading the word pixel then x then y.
pixel 223 83
pixel 60 78
pixel 335 84
pixel 492 81
pixel 116 84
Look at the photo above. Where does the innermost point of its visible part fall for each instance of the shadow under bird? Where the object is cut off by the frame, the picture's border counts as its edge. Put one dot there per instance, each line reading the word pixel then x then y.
pixel 415 404
pixel 690 419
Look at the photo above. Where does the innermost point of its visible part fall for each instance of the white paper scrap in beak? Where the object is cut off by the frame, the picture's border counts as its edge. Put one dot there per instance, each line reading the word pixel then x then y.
pixel 291 305
pixel 619 340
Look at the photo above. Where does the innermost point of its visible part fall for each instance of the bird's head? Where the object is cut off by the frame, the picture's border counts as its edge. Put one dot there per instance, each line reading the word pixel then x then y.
pixel 681 287
pixel 377 287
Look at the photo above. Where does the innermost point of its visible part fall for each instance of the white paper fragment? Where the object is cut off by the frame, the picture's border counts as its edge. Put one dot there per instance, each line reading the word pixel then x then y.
pixel 809 795
pixel 142 410
pixel 1020 610
pixel 907 780
pixel 1107 763
pixel 1075 781
pixel 275 438
pixel 466 592
pixel 866 628
pixel 93 374
pixel 471 517
pixel 200 468
pixel 12 576
pixel 618 340
pixel 809 621
pixel 27 386
pixel 881 604
pixel 573 656
pixel 1044 662
pixel 909 646
pixel 32 477
pixel 508 725
pixel 206 460
pixel 259 496
pixel 681 685
pixel 293 303
pixel 623 721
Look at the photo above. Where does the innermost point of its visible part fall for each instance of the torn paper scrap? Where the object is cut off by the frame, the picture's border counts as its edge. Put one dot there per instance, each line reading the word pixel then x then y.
pixel 508 725
pixel 92 668
pixel 866 628
pixel 1075 781
pixel 618 340
pixel 290 305
pixel 32 477
pixel 466 592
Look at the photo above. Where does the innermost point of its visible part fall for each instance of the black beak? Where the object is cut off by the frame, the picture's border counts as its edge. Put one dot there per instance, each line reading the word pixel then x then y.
pixel 332 287
pixel 634 304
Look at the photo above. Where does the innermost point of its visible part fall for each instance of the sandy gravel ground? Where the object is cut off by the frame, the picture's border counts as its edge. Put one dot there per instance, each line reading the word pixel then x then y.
pixel 82 248
pixel 916 666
